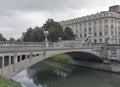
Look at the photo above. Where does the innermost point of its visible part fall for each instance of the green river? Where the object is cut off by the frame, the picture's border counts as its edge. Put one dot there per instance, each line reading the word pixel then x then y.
pixel 54 74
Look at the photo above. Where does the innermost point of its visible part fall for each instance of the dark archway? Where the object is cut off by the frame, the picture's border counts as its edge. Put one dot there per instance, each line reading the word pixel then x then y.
pixel 83 56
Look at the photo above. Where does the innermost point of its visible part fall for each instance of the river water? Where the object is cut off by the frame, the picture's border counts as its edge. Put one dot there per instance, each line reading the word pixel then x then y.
pixel 53 74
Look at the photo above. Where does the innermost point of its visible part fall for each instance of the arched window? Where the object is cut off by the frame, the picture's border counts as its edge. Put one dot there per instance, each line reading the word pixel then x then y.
pixel 95 41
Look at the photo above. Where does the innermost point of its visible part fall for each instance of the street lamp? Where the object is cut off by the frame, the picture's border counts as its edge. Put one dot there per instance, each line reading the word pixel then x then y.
pixel 110 39
pixel 46 39
pixel 59 40
pixel 107 39
pixel 89 39
pixel 113 39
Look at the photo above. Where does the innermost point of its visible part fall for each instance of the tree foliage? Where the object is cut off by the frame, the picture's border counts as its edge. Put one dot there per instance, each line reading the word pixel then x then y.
pixel 2 38
pixel 11 39
pixel 55 31
pixel 54 28
pixel 68 34
pixel 33 35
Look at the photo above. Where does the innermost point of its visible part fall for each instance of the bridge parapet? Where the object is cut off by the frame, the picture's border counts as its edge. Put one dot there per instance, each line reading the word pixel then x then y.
pixel 32 46
pixel 16 56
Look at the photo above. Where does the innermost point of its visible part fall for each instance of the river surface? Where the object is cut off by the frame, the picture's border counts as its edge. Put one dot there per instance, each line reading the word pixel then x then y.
pixel 53 74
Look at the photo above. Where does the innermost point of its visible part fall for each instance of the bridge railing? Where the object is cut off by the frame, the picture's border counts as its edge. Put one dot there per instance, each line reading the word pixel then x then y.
pixel 25 46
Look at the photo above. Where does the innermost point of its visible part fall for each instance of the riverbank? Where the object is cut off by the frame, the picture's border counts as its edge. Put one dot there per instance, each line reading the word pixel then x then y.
pixel 61 58
pixel 8 83
pixel 65 58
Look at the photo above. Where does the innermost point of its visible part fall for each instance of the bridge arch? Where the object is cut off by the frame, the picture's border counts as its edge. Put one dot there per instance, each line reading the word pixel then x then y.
pixel 26 59
pixel 80 53
pixel 81 56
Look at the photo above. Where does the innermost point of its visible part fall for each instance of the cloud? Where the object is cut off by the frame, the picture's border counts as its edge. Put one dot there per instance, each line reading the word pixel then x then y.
pixel 18 15
pixel 48 5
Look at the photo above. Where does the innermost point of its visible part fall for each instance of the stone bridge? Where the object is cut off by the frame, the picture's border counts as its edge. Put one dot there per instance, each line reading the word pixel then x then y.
pixel 15 57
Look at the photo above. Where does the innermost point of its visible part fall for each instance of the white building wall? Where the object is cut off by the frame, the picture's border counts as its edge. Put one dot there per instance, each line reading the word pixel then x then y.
pixel 106 23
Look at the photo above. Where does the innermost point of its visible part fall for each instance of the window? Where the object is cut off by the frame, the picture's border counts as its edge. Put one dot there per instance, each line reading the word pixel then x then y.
pixel 89 23
pixel 95 34
pixel 115 40
pixel 85 24
pixel 95 22
pixel 80 25
pixel 85 35
pixel 76 31
pixel 115 32
pixel 100 33
pixel 119 41
pixel 100 27
pixel 118 22
pixel 95 28
pixel 115 27
pixel 111 26
pixel 89 29
pixel 106 33
pixel 118 27
pixel 115 21
pixel 95 41
pixel 112 33
pixel 111 14
pixel 106 20
pixel 100 21
pixel 80 29
pixel 100 40
pixel 106 27
pixel 111 20
pixel 85 30
pixel 80 35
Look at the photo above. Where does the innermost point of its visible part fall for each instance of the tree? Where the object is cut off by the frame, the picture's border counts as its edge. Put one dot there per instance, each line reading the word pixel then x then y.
pixel 37 35
pixel 11 39
pixel 68 34
pixel 33 35
pixel 55 30
pixel 27 35
pixel 2 38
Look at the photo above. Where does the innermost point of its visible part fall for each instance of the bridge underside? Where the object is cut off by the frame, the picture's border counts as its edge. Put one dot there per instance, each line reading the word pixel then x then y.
pixel 82 56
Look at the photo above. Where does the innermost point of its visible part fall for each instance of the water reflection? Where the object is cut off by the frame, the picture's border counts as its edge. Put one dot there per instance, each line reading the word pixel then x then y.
pixel 52 74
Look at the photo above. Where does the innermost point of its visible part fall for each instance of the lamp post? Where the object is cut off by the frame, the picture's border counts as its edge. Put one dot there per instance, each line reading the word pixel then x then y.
pixel 46 39
pixel 107 39
pixel 59 40
pixel 89 39
pixel 113 39
pixel 110 39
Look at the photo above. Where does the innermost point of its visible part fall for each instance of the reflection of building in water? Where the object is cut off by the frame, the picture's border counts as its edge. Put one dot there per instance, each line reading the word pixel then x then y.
pixel 98 26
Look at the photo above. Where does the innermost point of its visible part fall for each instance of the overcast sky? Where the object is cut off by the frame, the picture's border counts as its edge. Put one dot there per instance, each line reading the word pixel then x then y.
pixel 18 15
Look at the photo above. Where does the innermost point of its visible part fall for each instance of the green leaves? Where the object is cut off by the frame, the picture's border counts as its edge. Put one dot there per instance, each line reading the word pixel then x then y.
pixel 68 34
pixel 2 38
pixel 33 35
pixel 55 31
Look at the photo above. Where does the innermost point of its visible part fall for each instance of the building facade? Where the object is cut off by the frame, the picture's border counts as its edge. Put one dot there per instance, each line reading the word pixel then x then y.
pixel 103 27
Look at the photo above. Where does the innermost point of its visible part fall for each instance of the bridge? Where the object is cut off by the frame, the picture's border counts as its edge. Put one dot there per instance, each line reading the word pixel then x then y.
pixel 17 56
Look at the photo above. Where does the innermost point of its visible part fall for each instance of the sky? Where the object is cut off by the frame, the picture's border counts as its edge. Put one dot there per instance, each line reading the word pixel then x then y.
pixel 18 15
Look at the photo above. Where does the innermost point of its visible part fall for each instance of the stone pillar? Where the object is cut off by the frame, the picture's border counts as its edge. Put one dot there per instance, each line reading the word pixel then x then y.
pixel 15 61
pixel 31 56
pixel 20 60
pixel 3 65
pixel 10 64
pixel 26 58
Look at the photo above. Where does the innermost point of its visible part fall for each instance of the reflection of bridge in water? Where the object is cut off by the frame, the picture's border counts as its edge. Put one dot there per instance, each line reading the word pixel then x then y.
pixel 15 57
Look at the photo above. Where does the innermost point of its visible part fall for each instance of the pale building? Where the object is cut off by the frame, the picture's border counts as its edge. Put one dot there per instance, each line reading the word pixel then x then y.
pixel 102 27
